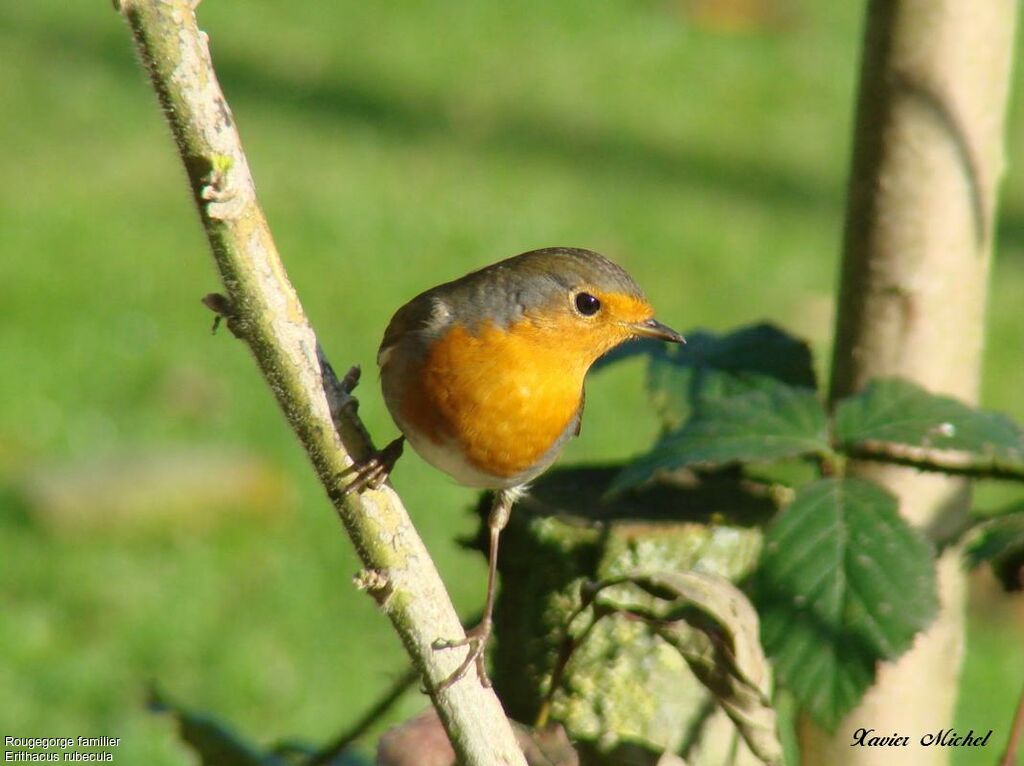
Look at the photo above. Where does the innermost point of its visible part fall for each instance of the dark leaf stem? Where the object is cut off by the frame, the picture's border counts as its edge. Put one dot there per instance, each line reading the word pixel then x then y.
pixel 953 462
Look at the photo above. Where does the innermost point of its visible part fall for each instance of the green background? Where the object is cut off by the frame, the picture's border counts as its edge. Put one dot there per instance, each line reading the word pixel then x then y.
pixel 395 145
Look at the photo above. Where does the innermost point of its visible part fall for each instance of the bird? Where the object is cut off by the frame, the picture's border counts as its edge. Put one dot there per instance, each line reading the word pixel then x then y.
pixel 484 377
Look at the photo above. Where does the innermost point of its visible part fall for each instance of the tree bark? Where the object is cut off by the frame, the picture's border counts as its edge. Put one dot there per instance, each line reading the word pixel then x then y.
pixel 928 156
pixel 263 310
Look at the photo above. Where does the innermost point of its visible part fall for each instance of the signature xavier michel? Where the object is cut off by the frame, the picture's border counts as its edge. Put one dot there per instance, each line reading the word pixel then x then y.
pixel 941 738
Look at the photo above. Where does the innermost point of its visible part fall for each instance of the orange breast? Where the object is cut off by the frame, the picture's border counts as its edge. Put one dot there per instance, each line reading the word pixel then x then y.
pixel 503 396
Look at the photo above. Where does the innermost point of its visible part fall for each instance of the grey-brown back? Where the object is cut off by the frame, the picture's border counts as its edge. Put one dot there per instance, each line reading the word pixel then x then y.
pixel 503 292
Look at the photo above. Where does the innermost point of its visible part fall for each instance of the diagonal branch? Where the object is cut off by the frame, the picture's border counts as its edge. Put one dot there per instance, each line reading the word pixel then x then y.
pixel 265 312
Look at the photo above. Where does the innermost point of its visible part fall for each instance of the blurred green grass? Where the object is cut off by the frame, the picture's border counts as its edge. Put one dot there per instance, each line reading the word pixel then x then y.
pixel 394 146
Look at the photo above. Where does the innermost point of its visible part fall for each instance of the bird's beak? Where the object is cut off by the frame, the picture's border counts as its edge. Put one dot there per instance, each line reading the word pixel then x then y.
pixel 652 328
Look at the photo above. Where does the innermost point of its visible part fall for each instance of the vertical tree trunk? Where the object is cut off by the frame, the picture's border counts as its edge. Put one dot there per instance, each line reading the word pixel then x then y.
pixel 928 156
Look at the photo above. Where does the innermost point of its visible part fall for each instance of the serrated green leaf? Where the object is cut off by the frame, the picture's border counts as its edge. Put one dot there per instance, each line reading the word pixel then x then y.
pixel 774 422
pixel 843 583
pixel 711 367
pixel 1000 542
pixel 897 418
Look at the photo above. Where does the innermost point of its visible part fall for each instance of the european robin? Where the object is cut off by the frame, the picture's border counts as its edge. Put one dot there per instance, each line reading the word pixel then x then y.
pixel 484 377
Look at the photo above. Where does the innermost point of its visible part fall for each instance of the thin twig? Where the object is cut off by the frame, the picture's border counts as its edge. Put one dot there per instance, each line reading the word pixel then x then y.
pixel 266 313
pixel 1016 730
pixel 954 462
pixel 379 708
pixel 354 732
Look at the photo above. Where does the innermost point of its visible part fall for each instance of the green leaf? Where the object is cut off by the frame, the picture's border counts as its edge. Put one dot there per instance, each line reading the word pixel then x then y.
pixel 769 423
pixel 641 347
pixel 1000 542
pixel 843 583
pixel 726 656
pixel 711 367
pixel 213 741
pixel 898 421
pixel 714 627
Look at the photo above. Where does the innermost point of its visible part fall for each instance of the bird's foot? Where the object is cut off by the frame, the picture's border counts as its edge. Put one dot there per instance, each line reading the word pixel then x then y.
pixel 476 639
pixel 374 471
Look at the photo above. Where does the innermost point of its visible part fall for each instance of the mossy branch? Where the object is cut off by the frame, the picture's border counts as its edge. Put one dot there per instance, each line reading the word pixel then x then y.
pixel 264 310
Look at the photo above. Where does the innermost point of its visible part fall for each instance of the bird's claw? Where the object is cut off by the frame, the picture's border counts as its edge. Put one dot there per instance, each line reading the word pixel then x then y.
pixel 374 471
pixel 476 639
pixel 351 379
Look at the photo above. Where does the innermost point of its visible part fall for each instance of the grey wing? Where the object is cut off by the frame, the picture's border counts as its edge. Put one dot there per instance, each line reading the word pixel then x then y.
pixel 423 317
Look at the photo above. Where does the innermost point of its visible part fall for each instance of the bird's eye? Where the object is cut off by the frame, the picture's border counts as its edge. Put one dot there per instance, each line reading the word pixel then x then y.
pixel 587 304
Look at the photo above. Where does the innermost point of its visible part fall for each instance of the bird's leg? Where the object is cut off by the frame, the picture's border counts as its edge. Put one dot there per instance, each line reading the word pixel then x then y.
pixel 374 471
pixel 477 637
